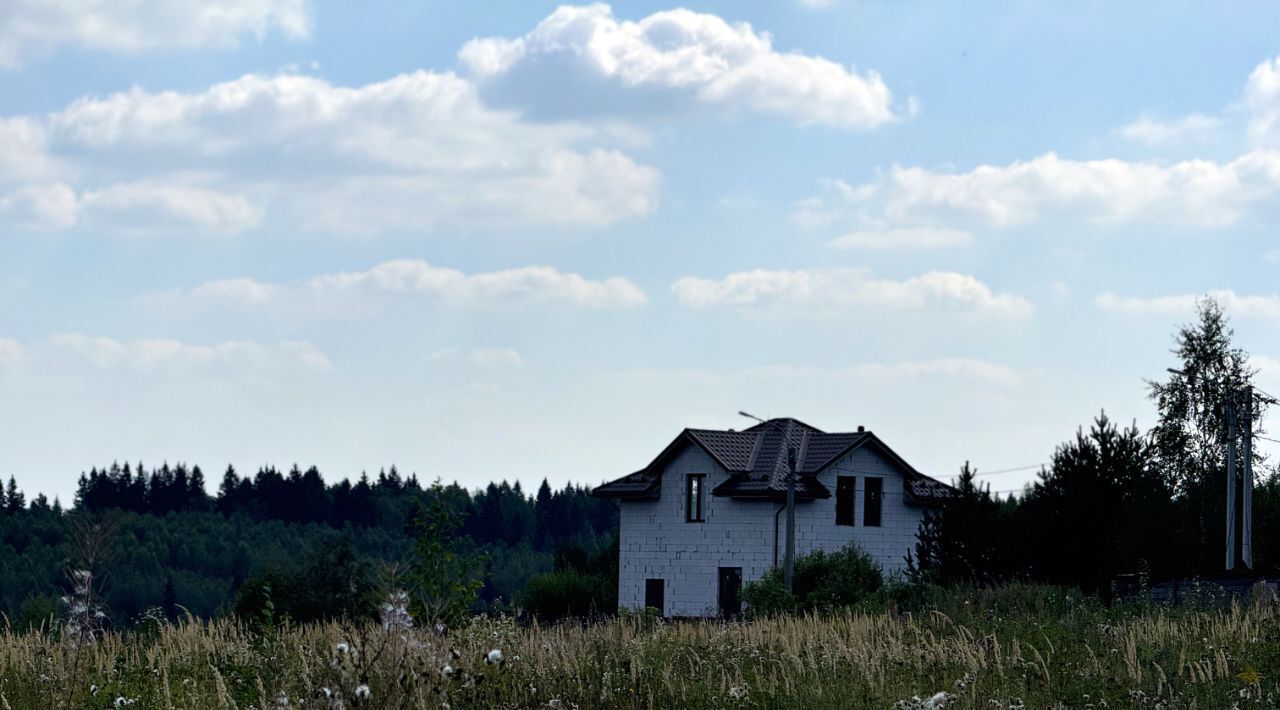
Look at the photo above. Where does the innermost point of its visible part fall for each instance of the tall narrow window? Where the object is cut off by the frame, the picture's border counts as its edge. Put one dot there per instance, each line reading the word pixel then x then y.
pixel 845 486
pixel 871 510
pixel 694 504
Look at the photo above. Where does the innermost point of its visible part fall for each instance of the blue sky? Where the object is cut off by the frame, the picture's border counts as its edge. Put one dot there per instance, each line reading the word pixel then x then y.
pixel 517 240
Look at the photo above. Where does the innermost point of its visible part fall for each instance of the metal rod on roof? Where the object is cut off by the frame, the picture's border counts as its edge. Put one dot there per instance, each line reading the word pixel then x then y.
pixel 789 561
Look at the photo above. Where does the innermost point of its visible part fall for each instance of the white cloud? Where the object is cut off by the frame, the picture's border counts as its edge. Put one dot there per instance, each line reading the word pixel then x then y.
pixel 40 206
pixel 972 369
pixel 11 352
pixel 415 277
pixel 904 238
pixel 496 357
pixel 1153 131
pixel 1257 108
pixel 599 64
pixel 24 150
pixel 161 207
pixel 1268 371
pixel 1198 193
pixel 1262 102
pixel 1262 306
pixel 815 379
pixel 817 4
pixel 34 27
pixel 826 291
pixel 407 154
pixel 172 356
pixel 145 207
pixel 837 200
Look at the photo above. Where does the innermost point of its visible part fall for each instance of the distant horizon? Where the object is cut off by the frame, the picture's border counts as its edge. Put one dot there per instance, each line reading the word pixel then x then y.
pixel 528 240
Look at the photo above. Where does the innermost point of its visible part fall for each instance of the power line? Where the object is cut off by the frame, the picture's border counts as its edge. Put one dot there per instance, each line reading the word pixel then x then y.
pixel 1010 470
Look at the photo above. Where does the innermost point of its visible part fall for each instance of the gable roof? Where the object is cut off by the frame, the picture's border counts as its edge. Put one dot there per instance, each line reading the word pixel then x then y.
pixel 756 460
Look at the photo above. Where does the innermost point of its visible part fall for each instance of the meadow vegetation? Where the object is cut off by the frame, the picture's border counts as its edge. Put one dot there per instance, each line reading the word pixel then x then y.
pixel 1018 646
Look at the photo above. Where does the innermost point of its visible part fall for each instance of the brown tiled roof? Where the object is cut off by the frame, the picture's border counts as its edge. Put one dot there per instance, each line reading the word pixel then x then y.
pixel 756 460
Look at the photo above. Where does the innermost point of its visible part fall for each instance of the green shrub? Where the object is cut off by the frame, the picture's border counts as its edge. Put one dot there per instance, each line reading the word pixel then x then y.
pixel 568 593
pixel 823 582
pixel 38 612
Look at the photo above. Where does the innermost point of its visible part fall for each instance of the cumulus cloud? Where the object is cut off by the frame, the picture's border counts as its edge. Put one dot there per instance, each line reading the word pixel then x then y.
pixel 1192 193
pixel 1258 306
pixel 1262 101
pixel 414 277
pixel 906 238
pixel 954 368
pixel 172 356
pixel 582 60
pixel 162 207
pixel 410 153
pixel 810 378
pixel 1255 115
pixel 34 27
pixel 1153 131
pixel 24 150
pixel 496 357
pixel 40 206
pixel 11 352
pixel 827 291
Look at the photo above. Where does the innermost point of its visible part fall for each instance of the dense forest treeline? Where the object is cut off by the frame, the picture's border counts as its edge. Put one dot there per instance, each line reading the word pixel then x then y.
pixel 175 546
pixel 1113 500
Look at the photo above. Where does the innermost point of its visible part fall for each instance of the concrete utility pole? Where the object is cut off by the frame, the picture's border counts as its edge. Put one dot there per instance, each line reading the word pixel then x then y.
pixel 789 559
pixel 1231 480
pixel 1246 529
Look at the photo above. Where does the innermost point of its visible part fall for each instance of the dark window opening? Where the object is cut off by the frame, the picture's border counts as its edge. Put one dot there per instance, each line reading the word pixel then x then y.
pixel 693 496
pixel 655 592
pixel 875 493
pixel 844 499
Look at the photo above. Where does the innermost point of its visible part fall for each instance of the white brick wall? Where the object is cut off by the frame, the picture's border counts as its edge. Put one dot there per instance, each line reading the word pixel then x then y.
pixel 656 542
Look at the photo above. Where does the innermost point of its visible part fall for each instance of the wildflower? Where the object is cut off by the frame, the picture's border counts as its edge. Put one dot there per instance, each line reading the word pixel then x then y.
pixel 447 671
pixel 738 692
pixel 282 700
pixel 122 701
pixel 937 700
pixel 1250 676
pixel 344 648
pixel 363 692
pixel 326 692
pixel 93 690
pixel 494 657
pixel 394 612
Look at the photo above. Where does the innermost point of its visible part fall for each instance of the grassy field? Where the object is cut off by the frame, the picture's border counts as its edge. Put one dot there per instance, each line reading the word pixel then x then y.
pixel 1018 647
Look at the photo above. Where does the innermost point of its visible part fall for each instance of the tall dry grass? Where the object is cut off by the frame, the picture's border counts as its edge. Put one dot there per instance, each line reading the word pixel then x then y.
pixel 1030 648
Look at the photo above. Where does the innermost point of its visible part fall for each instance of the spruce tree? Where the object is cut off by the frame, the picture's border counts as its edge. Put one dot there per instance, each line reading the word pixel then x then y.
pixel 14 500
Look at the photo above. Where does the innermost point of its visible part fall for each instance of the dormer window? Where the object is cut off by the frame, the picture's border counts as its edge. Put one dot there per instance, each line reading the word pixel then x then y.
pixel 845 486
pixel 871 509
pixel 695 503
